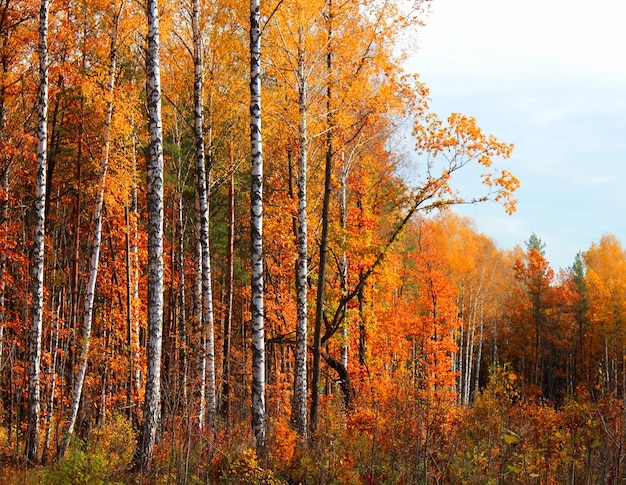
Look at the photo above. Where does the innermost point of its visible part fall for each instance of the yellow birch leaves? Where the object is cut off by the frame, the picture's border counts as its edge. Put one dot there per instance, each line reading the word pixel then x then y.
pixel 458 142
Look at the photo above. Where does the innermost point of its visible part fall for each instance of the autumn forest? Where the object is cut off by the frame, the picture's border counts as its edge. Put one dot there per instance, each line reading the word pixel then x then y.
pixel 229 254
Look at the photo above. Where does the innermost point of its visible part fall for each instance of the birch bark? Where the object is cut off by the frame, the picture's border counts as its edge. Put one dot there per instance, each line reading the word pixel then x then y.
pixel 202 222
pixel 256 232
pixel 152 400
pixel 300 411
pixel 32 432
pixel 95 245
pixel 54 347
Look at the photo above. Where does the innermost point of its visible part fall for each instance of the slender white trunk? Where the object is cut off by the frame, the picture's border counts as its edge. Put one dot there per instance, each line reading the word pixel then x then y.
pixel 458 356
pixel 95 245
pixel 32 433
pixel 468 313
pixel 198 335
pixel 152 401
pixel 479 355
pixel 256 232
pixel 208 354
pixel 181 317
pixel 469 367
pixel 208 322
pixel 300 400
pixel 54 347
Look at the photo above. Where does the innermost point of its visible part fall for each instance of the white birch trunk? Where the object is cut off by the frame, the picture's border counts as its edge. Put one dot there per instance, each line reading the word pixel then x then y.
pixel 469 368
pixel 132 283
pixel 208 322
pixel 256 232
pixel 32 433
pixel 458 356
pixel 198 336
pixel 479 356
pixel 54 347
pixel 208 354
pixel 300 401
pixel 95 245
pixel 152 401
pixel 181 334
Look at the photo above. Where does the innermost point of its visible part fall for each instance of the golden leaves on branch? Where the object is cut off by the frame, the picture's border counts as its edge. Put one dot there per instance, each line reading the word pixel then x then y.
pixel 458 142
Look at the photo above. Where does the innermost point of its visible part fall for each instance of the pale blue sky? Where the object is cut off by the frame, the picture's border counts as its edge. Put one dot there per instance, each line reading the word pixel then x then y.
pixel 550 77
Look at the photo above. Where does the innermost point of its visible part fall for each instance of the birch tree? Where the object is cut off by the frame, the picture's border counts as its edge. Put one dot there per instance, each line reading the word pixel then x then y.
pixel 202 228
pixel 256 231
pixel 32 432
pixel 151 407
pixel 298 63
pixel 302 264
pixel 97 237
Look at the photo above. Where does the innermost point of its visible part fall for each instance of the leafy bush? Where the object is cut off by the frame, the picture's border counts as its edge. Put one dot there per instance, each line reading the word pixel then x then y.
pixel 246 470
pixel 96 462
pixel 78 467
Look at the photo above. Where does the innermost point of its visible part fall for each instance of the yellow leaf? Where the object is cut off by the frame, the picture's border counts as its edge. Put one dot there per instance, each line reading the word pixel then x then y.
pixel 511 439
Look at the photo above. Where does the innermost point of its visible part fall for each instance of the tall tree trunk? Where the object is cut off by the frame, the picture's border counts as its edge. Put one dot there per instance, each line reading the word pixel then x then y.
pixel 4 211
pixel 132 286
pixel 208 354
pixel 74 287
pixel 479 355
pixel 343 259
pixel 321 279
pixel 362 330
pixel 228 317
pixel 198 334
pixel 256 232
pixel 95 245
pixel 54 344
pixel 32 432
pixel 181 333
pixel 458 356
pixel 4 199
pixel 300 400
pixel 152 400
pixel 129 314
